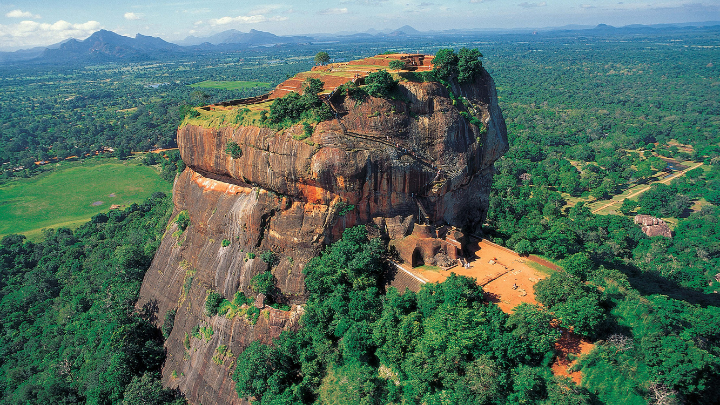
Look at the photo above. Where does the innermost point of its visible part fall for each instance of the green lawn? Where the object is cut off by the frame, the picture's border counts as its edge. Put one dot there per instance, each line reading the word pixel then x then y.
pixel 69 196
pixel 229 85
pixel 539 267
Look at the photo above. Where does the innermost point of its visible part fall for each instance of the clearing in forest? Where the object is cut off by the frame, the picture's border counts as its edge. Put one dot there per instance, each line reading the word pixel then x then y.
pixel 634 193
pixel 69 196
pixel 506 277
pixel 508 280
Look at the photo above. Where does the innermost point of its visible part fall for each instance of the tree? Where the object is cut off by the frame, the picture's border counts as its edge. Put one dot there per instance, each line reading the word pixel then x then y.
pixel 563 391
pixel 464 65
pixel 482 378
pixel 628 206
pixel 148 390
pixel 380 83
pixel 293 107
pixel 469 64
pixel 579 265
pixel 255 369
pixel 584 314
pixel 396 65
pixel 523 247
pixel 312 86
pixel 350 384
pixel 322 58
pixel 445 63
pixel 528 385
pixel 532 332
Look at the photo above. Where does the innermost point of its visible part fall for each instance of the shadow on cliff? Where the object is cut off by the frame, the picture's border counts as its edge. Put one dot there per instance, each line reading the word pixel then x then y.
pixel 648 283
pixel 150 310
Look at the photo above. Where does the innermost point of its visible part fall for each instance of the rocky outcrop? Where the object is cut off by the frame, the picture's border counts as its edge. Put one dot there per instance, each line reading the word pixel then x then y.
pixel 652 226
pixel 379 156
pixel 387 163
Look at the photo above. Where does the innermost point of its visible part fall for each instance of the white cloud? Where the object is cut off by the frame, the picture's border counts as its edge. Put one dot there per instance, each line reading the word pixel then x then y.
pixel 21 14
pixel 532 5
pixel 245 19
pixel 28 33
pixel 133 16
pixel 334 11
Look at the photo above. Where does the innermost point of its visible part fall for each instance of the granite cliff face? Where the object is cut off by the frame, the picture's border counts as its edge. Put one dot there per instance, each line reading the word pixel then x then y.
pixel 397 162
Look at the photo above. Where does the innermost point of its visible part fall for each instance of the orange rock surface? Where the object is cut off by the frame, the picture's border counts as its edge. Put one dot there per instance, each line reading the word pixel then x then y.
pixel 372 164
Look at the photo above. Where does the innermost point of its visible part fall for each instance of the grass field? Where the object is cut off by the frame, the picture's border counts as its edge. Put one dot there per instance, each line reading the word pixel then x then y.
pixel 69 196
pixel 229 85
pixel 539 267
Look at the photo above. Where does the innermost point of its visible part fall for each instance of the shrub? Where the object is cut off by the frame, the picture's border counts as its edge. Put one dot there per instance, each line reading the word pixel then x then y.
pixel 182 220
pixel 263 283
pixel 169 322
pixel 307 132
pixel 240 299
pixel 233 149
pixel 294 107
pixel 268 257
pixel 353 91
pixel 225 242
pixel 212 303
pixel 343 208
pixel 253 313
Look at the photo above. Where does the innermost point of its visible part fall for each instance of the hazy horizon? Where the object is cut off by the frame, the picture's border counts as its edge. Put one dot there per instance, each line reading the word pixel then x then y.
pixel 46 22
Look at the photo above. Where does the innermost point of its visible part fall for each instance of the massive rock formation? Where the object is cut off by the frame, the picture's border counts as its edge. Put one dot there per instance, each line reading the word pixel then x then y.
pixel 388 163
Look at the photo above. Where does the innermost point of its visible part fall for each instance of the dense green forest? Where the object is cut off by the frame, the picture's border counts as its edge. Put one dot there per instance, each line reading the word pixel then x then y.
pixel 447 345
pixel 588 117
pixel 70 330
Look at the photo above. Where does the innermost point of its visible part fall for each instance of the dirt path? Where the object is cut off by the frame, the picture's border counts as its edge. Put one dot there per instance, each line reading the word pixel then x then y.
pixel 570 343
pixel 663 181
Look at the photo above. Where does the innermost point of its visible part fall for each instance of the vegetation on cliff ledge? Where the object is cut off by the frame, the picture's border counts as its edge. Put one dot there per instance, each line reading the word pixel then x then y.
pixel 293 108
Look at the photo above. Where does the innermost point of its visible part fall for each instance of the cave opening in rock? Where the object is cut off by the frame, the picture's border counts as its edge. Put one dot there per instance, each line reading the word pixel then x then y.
pixel 417 258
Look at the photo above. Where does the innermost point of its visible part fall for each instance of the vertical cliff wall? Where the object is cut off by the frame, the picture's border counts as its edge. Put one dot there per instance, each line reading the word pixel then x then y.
pixel 398 162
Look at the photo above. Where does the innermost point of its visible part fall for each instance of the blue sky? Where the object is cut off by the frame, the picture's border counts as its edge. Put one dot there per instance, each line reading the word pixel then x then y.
pixel 29 23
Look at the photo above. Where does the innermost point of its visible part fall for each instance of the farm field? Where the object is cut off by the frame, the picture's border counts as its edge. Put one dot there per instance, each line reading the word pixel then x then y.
pixel 70 196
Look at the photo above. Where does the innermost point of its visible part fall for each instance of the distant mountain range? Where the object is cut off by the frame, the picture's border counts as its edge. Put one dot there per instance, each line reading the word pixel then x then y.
pixel 252 38
pixel 105 46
